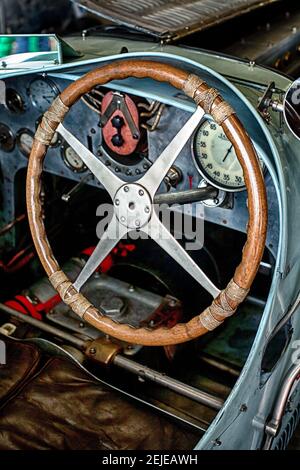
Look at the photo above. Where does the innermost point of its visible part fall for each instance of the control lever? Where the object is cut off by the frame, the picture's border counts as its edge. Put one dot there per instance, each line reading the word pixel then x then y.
pixel 119 102
pixel 117 139
pixel 67 196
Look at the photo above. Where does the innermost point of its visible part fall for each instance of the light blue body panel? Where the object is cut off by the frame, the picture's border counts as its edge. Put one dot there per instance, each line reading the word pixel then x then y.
pixel 240 423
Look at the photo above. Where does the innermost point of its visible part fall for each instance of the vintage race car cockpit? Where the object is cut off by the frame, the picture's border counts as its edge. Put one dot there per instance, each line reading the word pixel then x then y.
pixel 149 255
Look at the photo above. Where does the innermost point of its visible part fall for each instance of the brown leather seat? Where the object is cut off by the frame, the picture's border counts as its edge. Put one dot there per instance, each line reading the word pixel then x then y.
pixel 62 407
pixel 21 361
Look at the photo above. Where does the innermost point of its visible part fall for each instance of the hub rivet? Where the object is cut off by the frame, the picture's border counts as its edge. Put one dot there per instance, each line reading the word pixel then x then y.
pixel 141 192
pixel 147 209
pixel 117 202
pixel 122 219
pixel 137 223
pixel 126 189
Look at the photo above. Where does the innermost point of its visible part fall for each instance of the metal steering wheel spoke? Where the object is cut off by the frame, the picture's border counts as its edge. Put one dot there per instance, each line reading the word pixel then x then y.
pixel 108 179
pixel 158 232
pixel 113 234
pixel 156 173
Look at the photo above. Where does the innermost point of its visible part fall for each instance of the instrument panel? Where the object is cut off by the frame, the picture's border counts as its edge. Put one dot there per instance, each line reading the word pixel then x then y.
pixel 123 134
pixel 127 133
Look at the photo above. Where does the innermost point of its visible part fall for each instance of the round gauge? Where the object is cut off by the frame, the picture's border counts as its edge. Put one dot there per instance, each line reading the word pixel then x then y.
pixel 25 141
pixel 14 101
pixel 73 160
pixel 7 140
pixel 216 159
pixel 42 92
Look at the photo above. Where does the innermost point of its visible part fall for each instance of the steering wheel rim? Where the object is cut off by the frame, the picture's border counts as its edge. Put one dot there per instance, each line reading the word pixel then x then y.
pixel 209 101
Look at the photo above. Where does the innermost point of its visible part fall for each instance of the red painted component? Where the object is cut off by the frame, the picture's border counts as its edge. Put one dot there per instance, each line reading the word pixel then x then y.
pixel 22 304
pixel 129 143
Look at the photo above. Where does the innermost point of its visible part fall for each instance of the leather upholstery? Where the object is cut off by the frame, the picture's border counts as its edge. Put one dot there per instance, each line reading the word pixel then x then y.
pixel 62 407
pixel 25 359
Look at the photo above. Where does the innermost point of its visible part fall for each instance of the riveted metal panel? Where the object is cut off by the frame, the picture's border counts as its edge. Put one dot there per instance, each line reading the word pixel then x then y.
pixel 170 19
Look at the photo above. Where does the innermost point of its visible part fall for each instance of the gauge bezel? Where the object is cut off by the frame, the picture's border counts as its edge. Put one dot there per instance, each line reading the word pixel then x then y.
pixel 201 171
pixel 22 108
pixel 52 85
pixel 65 160
pixel 12 137
pixel 21 131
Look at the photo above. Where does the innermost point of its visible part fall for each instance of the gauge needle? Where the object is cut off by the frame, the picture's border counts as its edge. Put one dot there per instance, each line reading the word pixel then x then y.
pixel 228 152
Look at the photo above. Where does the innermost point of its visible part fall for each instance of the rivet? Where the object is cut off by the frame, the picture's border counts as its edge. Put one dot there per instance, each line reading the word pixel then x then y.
pixel 93 351
pixel 147 209
pixel 137 223
pixel 117 202
pixel 141 192
pixel 126 189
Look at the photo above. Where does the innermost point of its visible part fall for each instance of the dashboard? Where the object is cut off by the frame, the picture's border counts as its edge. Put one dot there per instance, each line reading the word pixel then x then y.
pixel 128 132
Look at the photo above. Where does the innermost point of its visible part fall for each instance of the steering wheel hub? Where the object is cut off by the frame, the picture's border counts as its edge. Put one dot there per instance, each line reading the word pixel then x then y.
pixel 133 206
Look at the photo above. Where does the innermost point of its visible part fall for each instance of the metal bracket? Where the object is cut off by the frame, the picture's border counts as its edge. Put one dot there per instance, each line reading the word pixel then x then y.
pixel 266 103
pixel 102 350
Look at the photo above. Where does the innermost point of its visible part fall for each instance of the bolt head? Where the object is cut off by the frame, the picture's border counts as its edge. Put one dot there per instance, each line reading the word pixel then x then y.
pixel 93 351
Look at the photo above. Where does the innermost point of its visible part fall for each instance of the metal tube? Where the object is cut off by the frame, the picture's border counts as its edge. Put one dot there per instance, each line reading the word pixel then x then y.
pixel 273 425
pixel 172 384
pixel 124 363
pixel 219 365
pixel 79 343
pixel 186 197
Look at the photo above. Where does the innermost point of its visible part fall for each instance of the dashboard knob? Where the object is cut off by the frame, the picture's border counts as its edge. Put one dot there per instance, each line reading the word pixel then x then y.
pixel 117 122
pixel 117 140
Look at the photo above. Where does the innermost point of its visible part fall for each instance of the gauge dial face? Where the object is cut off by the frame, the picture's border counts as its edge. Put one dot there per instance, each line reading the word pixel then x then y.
pixel 42 92
pixel 216 158
pixel 73 160
pixel 25 141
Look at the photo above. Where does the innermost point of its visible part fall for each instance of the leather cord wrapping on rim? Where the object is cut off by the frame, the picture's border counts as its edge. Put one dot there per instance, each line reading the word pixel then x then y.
pixel 236 291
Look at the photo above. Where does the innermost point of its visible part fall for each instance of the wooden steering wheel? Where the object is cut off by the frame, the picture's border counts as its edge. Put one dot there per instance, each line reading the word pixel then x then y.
pixel 140 195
